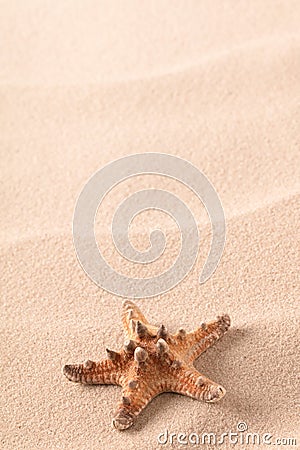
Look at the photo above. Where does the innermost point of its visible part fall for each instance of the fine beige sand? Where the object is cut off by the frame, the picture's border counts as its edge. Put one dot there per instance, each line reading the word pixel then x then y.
pixel 83 83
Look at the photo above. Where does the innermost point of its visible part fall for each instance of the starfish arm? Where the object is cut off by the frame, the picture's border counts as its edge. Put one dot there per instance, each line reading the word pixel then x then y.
pixel 131 312
pixel 186 380
pixel 135 397
pixel 131 315
pixel 103 372
pixel 191 345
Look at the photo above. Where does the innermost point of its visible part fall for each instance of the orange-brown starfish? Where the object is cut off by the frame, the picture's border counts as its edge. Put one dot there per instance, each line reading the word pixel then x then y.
pixel 153 361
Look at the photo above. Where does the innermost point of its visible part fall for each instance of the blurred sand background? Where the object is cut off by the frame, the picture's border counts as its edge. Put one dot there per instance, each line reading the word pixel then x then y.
pixel 86 82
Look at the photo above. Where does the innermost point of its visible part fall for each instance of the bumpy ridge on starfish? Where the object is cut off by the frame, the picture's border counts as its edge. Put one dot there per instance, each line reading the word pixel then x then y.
pixel 153 361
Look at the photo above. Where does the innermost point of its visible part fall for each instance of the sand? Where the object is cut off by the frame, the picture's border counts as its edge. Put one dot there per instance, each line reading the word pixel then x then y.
pixel 84 83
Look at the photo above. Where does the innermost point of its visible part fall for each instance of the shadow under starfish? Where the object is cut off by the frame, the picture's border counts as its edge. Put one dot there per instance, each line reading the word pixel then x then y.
pixel 151 362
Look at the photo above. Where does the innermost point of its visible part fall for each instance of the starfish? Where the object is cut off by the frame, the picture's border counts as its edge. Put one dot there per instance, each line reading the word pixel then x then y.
pixel 153 361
